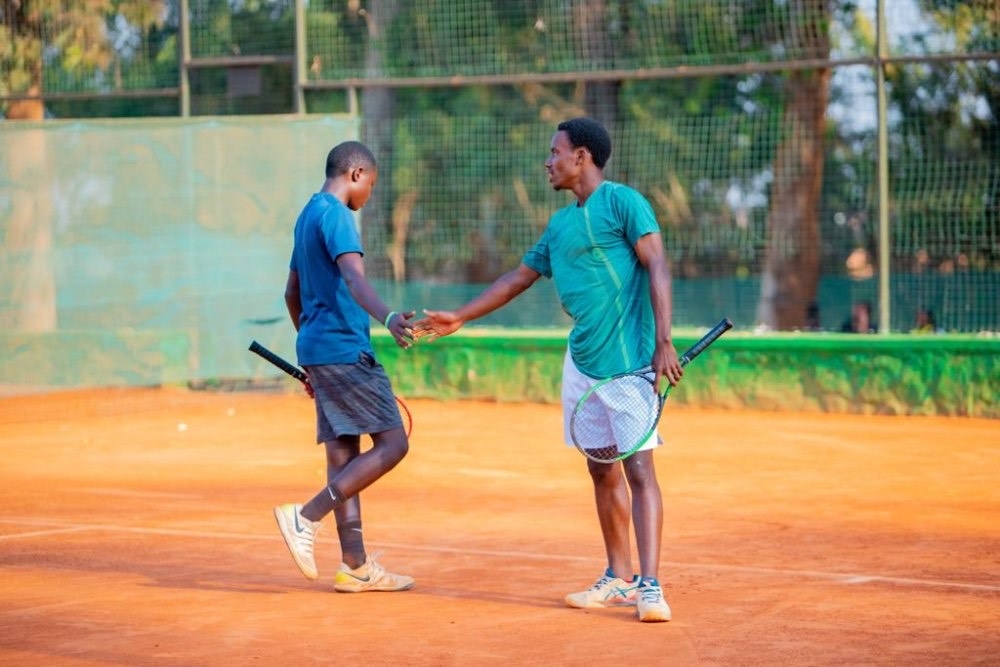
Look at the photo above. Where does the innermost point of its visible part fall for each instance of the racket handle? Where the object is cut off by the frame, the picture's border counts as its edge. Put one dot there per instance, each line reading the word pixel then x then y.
pixel 294 371
pixel 724 325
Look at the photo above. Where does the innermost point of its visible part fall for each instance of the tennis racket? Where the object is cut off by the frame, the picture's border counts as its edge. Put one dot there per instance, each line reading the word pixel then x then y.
pixel 619 414
pixel 301 376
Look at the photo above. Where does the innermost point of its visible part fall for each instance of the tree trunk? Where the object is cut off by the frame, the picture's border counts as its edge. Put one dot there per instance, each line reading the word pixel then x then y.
pixel 791 271
pixel 600 98
pixel 377 112
pixel 27 251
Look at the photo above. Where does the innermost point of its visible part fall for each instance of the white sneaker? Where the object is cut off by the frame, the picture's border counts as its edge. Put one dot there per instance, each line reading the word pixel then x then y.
pixel 300 535
pixel 651 606
pixel 608 591
pixel 369 577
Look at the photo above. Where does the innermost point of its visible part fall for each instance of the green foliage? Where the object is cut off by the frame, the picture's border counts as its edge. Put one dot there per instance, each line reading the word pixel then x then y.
pixel 701 147
pixel 74 44
pixel 947 143
pixel 250 27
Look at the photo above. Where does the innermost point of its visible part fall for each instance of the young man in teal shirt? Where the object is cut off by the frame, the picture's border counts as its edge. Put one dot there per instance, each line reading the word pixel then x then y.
pixel 605 255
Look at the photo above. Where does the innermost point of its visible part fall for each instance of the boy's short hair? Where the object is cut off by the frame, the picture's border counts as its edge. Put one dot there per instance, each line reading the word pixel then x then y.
pixel 347 156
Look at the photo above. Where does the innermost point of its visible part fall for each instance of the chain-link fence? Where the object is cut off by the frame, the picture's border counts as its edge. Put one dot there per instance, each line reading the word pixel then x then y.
pixel 801 155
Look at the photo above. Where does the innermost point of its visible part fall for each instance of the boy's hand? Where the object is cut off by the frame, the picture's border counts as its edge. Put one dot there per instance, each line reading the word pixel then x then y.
pixel 401 328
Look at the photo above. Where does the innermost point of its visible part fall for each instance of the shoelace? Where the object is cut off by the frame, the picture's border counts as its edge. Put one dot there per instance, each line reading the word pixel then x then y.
pixel 306 546
pixel 602 583
pixel 375 569
pixel 650 594
pixel 306 537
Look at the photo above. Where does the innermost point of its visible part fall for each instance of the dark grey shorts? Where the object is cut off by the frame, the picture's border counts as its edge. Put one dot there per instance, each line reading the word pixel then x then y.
pixel 352 399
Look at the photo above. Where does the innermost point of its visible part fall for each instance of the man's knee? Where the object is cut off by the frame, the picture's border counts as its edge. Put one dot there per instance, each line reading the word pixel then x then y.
pixel 604 474
pixel 639 469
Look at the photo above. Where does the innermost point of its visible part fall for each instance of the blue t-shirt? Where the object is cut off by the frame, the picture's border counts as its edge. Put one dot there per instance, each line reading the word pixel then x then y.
pixel 333 328
pixel 589 252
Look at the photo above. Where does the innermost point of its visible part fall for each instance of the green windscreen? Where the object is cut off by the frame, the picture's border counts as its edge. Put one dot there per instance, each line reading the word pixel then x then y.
pixel 149 251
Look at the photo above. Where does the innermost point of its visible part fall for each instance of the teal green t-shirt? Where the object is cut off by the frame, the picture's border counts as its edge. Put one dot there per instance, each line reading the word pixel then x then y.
pixel 589 252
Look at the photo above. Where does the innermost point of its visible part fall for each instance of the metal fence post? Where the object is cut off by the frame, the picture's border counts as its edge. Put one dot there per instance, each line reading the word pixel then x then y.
pixel 884 254
pixel 299 68
pixel 184 28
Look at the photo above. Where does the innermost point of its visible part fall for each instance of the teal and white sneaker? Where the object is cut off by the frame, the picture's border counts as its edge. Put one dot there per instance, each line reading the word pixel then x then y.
pixel 300 536
pixel 608 591
pixel 651 606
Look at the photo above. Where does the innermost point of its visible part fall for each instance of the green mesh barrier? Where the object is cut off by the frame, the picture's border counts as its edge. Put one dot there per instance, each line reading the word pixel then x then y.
pixel 144 252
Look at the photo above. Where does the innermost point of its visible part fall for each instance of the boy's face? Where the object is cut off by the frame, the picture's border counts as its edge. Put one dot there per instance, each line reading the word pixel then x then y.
pixel 362 183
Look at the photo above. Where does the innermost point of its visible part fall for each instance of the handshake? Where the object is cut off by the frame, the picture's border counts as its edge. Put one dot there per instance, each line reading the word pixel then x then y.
pixel 434 324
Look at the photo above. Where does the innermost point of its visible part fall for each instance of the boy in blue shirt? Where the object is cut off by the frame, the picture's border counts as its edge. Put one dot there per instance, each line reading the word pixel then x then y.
pixel 330 302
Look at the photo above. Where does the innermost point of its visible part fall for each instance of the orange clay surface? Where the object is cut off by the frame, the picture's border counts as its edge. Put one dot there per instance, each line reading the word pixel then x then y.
pixel 790 539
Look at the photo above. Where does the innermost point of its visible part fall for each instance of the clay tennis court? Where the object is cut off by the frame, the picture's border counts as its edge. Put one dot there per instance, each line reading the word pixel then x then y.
pixel 127 539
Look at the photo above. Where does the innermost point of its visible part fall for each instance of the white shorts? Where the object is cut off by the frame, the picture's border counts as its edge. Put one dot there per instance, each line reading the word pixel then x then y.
pixel 574 385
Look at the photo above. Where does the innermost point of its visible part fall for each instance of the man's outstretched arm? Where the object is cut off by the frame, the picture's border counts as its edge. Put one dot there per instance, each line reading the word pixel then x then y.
pixel 502 291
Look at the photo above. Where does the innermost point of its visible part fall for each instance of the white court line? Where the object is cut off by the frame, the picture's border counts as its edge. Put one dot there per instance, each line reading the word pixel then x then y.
pixel 107 491
pixel 43 533
pixel 844 577
pixel 849 578
pixel 486 472
pixel 114 528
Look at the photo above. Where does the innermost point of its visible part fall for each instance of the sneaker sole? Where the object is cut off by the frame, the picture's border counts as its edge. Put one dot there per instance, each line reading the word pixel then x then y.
pixel 655 616
pixel 340 588
pixel 287 531
pixel 599 604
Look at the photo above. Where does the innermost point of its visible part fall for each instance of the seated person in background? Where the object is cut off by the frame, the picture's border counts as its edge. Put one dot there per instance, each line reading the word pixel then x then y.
pixel 925 322
pixel 860 320
pixel 812 317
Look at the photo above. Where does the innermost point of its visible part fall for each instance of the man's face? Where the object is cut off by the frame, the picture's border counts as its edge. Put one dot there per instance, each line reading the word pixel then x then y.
pixel 362 184
pixel 564 162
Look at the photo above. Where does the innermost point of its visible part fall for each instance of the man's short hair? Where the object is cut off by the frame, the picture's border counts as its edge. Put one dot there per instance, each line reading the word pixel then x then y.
pixel 588 133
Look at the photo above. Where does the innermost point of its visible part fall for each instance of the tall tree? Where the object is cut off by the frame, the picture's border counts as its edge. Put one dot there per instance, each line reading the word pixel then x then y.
pixel 378 108
pixel 792 260
pixel 594 23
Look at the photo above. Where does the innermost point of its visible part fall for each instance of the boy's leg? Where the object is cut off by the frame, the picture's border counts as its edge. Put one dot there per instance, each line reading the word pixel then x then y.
pixel 361 572
pixel 299 524
pixel 360 471
pixel 347 515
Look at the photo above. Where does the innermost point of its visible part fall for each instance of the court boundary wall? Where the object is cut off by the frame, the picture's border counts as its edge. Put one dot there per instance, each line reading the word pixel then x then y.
pixel 904 374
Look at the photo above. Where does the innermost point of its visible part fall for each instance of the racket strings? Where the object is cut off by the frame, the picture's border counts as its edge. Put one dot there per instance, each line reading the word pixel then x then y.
pixel 615 417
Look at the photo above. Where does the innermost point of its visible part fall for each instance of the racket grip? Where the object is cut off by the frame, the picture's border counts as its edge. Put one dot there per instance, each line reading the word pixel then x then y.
pixel 294 371
pixel 724 325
